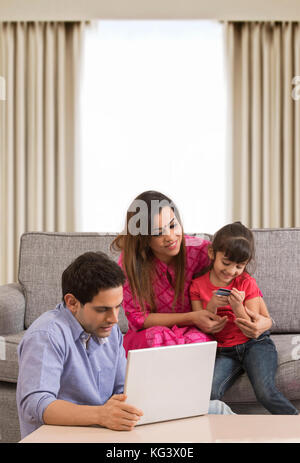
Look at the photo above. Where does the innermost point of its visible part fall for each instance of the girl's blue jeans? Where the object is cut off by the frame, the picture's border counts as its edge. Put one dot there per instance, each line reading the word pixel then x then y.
pixel 258 357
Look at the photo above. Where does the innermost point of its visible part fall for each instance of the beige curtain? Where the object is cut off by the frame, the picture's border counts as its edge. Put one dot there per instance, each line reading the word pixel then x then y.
pixel 264 122
pixel 40 63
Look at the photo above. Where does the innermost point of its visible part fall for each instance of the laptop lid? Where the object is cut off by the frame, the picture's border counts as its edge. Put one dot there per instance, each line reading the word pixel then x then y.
pixel 170 382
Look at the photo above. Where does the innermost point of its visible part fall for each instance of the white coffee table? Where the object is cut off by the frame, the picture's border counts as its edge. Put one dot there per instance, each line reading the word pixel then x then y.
pixel 208 428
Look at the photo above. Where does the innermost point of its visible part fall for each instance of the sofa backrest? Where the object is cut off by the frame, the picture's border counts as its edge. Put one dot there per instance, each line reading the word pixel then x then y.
pixel 277 271
pixel 42 259
pixel 44 256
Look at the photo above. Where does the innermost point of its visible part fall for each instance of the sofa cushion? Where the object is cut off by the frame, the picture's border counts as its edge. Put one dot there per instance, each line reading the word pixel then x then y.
pixel 277 270
pixel 43 258
pixel 9 357
pixel 12 308
pixel 287 377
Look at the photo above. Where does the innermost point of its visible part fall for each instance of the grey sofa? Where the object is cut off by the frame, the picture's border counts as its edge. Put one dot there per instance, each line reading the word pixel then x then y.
pixel 43 257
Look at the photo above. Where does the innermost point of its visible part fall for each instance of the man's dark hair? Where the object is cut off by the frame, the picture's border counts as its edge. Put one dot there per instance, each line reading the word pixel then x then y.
pixel 90 273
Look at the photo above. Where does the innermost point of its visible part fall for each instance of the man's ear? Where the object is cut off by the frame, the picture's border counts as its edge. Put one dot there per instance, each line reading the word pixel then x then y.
pixel 71 302
pixel 210 252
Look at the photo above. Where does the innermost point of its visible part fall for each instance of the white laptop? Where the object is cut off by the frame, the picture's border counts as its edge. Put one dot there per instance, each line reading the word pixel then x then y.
pixel 171 382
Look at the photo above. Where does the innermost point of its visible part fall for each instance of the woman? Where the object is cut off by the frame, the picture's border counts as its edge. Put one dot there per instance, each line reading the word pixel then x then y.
pixel 159 262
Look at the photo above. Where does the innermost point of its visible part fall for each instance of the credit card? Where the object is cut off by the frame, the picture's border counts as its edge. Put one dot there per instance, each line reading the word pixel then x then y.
pixel 223 292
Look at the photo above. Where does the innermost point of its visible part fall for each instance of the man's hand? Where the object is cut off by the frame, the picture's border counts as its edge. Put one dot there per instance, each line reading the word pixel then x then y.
pixel 208 322
pixel 116 414
pixel 255 327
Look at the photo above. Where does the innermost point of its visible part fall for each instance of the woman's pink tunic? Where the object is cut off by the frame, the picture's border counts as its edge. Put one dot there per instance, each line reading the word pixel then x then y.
pixel 139 338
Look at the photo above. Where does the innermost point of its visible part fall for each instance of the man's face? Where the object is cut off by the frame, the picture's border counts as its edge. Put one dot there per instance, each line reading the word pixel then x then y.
pixel 101 314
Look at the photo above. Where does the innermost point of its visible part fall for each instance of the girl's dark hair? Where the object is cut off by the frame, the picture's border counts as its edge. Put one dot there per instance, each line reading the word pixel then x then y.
pixel 236 241
pixel 90 273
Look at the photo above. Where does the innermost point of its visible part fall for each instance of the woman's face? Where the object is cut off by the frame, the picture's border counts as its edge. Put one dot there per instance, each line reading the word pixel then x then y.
pixel 166 242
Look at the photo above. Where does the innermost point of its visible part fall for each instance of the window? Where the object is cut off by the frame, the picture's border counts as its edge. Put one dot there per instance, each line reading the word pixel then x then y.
pixel 153 117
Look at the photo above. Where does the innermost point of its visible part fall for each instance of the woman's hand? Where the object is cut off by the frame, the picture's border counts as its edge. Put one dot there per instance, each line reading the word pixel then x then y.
pixel 208 322
pixel 256 326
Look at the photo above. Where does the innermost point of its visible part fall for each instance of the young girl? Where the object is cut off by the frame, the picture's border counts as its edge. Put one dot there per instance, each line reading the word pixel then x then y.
pixel 231 251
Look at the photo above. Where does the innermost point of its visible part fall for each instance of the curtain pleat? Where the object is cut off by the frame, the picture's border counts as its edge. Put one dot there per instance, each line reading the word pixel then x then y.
pixel 297 125
pixel 245 94
pixel 20 167
pixel 49 128
pixel 41 65
pixel 288 145
pixel 262 60
pixel 266 116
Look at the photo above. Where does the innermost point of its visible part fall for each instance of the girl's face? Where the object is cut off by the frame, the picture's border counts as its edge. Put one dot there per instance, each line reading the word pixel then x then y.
pixel 224 270
pixel 167 241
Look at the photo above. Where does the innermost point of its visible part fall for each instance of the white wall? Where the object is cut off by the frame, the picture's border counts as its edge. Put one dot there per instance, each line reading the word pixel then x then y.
pixel 268 10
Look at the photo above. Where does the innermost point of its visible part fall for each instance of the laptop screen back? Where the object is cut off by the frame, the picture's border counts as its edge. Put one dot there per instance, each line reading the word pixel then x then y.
pixel 170 382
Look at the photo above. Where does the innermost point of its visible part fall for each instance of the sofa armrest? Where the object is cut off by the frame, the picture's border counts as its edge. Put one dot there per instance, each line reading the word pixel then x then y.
pixel 12 309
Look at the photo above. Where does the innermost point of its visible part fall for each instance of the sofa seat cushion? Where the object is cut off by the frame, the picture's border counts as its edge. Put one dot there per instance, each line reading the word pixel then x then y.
pixel 9 357
pixel 287 377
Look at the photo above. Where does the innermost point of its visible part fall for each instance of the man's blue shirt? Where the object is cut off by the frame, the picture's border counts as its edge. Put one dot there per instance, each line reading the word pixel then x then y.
pixel 55 363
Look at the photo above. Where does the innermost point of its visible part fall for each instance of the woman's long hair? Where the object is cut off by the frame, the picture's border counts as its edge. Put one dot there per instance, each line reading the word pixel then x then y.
pixel 138 258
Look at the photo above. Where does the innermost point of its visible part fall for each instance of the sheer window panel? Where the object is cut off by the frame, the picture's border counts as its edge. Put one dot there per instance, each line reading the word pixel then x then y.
pixel 153 108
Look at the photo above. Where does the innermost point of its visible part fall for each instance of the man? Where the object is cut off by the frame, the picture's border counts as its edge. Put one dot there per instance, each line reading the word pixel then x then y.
pixel 71 359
